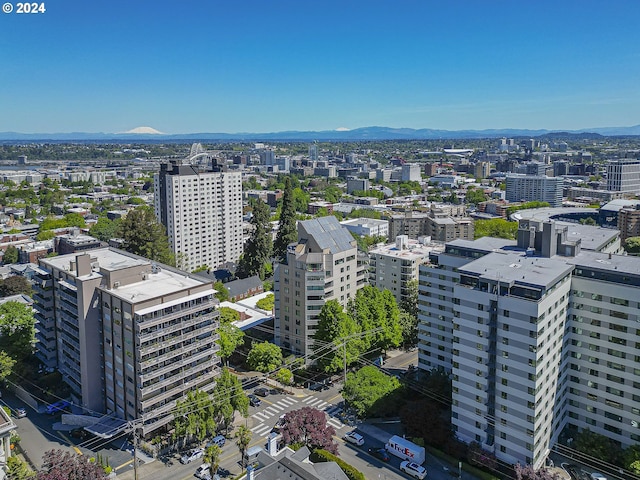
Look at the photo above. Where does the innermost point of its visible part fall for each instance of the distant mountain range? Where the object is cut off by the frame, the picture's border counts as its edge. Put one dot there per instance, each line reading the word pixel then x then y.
pixel 365 133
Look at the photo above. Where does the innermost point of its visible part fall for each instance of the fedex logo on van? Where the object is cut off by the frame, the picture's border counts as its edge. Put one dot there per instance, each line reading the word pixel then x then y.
pixel 402 449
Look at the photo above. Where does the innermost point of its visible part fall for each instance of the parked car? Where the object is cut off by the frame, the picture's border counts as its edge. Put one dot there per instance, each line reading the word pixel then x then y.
pixel 280 423
pixel 192 455
pixel 254 401
pixel 57 407
pixel 21 412
pixel 80 433
pixel 261 392
pixel 413 469
pixel 203 472
pixel 379 453
pixel 354 437
pixel 218 440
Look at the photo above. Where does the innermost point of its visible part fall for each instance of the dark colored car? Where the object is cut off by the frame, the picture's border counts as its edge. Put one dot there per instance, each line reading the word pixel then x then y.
pixel 79 433
pixel 261 392
pixel 380 454
pixel 254 401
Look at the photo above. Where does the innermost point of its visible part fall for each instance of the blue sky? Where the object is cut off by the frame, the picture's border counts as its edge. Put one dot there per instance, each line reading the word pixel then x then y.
pixel 274 65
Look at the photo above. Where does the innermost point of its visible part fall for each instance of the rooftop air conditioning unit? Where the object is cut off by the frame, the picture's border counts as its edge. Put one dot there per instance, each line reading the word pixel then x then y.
pixel 116 284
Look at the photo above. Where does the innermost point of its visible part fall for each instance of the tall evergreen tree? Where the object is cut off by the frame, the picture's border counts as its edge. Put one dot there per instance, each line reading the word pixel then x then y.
pixel 145 236
pixel 257 250
pixel 287 231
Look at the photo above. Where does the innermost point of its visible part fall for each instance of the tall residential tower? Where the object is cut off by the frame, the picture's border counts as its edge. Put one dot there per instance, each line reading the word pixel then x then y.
pixel 202 212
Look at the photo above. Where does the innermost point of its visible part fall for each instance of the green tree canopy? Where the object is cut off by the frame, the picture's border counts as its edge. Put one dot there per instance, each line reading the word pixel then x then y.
pixel 17 331
pixel 243 439
pixel 194 417
pixel 11 255
pixel 258 248
pixel 475 196
pixel 287 231
pixel 266 303
pixel 264 357
pixel 228 315
pixel 284 376
pixel 340 331
pixel 377 312
pixel 367 389
pixel 231 337
pixel 105 229
pixel 495 227
pixel 222 293
pixel 632 245
pixel 143 235
pixel 228 398
pixel 15 285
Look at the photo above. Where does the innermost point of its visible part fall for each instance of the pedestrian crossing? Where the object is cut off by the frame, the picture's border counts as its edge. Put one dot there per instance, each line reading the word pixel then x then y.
pixel 262 428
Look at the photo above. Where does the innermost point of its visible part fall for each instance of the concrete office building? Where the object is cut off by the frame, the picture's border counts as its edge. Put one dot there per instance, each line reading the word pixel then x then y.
pixel 624 175
pixel 538 336
pixel 441 224
pixel 130 337
pixel 357 185
pixel 369 227
pixel 411 173
pixel 393 265
pixel 529 188
pixel 202 212
pixel 324 265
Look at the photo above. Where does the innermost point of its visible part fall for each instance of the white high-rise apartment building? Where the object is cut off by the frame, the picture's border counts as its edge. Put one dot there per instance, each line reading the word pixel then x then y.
pixel 624 175
pixel 538 337
pixel 130 337
pixel 324 265
pixel 394 265
pixel 202 212
pixel 530 188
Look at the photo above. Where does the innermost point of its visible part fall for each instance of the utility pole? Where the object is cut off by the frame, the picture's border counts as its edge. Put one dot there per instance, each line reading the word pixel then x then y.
pixel 135 450
pixel 344 350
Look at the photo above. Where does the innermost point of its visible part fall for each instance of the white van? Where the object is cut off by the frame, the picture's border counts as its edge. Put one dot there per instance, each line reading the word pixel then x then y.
pixel 203 471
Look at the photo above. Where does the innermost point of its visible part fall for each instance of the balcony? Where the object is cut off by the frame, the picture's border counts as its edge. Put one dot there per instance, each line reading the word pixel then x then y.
pixel 183 325
pixel 156 346
pixel 145 377
pixel 159 317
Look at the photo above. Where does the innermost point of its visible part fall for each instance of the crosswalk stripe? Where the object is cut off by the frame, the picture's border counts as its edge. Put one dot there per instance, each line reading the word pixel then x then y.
pixel 270 410
pixel 309 399
pixel 261 416
pixel 279 407
pixel 257 427
pixel 321 404
pixel 288 401
pixel 336 423
pixel 262 431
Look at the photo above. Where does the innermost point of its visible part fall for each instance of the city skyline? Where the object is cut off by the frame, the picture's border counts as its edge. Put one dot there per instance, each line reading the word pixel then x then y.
pixel 266 67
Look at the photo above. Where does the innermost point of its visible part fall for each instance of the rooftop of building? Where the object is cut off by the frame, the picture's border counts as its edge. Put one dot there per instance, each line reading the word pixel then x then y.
pixel 605 262
pixel 545 214
pixel 161 280
pixel 517 267
pixel 487 244
pixel 619 204
pixel 364 221
pixel 328 234
pixel 415 250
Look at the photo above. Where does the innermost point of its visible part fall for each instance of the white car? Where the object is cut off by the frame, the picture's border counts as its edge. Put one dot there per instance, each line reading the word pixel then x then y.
pixel 355 438
pixel 413 469
pixel 192 455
